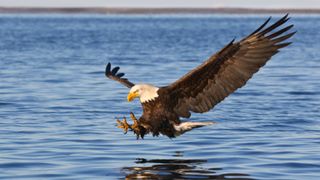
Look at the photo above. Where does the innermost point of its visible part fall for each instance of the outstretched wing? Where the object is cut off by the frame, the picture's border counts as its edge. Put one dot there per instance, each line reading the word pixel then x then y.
pixel 227 70
pixel 114 75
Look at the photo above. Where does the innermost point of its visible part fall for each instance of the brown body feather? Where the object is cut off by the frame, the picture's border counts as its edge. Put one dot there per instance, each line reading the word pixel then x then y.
pixel 158 115
pixel 211 82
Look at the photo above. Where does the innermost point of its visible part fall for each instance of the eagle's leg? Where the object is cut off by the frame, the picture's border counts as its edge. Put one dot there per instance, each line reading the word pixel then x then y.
pixel 136 126
pixel 123 125
pixel 135 120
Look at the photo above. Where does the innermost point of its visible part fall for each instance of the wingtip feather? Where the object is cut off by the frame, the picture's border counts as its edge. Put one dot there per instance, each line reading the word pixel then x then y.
pixel 120 75
pixel 115 70
pixel 108 68
pixel 282 45
pixel 278 23
pixel 273 35
pixel 261 27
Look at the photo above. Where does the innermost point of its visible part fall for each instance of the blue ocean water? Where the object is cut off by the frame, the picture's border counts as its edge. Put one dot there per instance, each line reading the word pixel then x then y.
pixel 58 110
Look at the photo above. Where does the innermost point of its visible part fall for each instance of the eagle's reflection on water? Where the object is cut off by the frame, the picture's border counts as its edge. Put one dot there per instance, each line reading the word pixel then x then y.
pixel 177 169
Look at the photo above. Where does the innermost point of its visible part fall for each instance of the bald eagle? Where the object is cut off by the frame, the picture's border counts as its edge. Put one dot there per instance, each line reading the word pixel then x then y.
pixel 203 87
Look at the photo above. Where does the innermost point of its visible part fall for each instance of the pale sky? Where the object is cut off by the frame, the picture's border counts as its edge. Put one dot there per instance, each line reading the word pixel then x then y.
pixel 164 3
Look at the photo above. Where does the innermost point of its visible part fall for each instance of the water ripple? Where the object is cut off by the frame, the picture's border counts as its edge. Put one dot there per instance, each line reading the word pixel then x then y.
pixel 58 110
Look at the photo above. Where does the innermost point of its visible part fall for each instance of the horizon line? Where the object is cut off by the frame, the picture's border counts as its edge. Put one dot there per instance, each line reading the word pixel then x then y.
pixel 132 10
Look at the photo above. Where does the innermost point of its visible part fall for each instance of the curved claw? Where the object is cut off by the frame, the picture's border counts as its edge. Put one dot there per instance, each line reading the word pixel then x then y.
pixel 132 116
pixel 135 127
pixel 123 125
pixel 135 124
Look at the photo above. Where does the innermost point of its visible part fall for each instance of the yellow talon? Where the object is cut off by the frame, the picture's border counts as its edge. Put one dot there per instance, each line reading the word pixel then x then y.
pixel 135 127
pixel 123 125
pixel 135 124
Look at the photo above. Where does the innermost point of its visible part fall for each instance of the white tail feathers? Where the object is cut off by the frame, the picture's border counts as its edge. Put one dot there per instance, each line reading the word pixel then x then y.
pixel 187 126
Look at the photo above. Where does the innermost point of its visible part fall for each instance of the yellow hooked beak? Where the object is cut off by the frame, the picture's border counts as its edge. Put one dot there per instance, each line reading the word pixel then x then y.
pixel 132 95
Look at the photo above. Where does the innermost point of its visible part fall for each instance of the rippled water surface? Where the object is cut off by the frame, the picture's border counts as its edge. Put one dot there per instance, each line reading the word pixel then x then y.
pixel 58 111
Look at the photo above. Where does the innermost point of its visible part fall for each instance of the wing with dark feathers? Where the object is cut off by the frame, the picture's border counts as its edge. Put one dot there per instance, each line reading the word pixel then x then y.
pixel 114 75
pixel 227 70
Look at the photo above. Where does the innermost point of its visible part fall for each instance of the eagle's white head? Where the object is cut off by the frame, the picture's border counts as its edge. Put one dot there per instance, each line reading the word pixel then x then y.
pixel 146 92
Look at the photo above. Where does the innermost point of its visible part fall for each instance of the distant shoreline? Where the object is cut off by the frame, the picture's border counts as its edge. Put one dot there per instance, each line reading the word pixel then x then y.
pixel 36 10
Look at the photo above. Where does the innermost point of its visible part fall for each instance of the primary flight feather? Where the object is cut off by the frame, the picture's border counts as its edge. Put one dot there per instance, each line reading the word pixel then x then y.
pixel 205 86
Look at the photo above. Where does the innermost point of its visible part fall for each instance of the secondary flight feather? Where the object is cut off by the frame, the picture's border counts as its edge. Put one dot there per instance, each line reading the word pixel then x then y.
pixel 205 86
